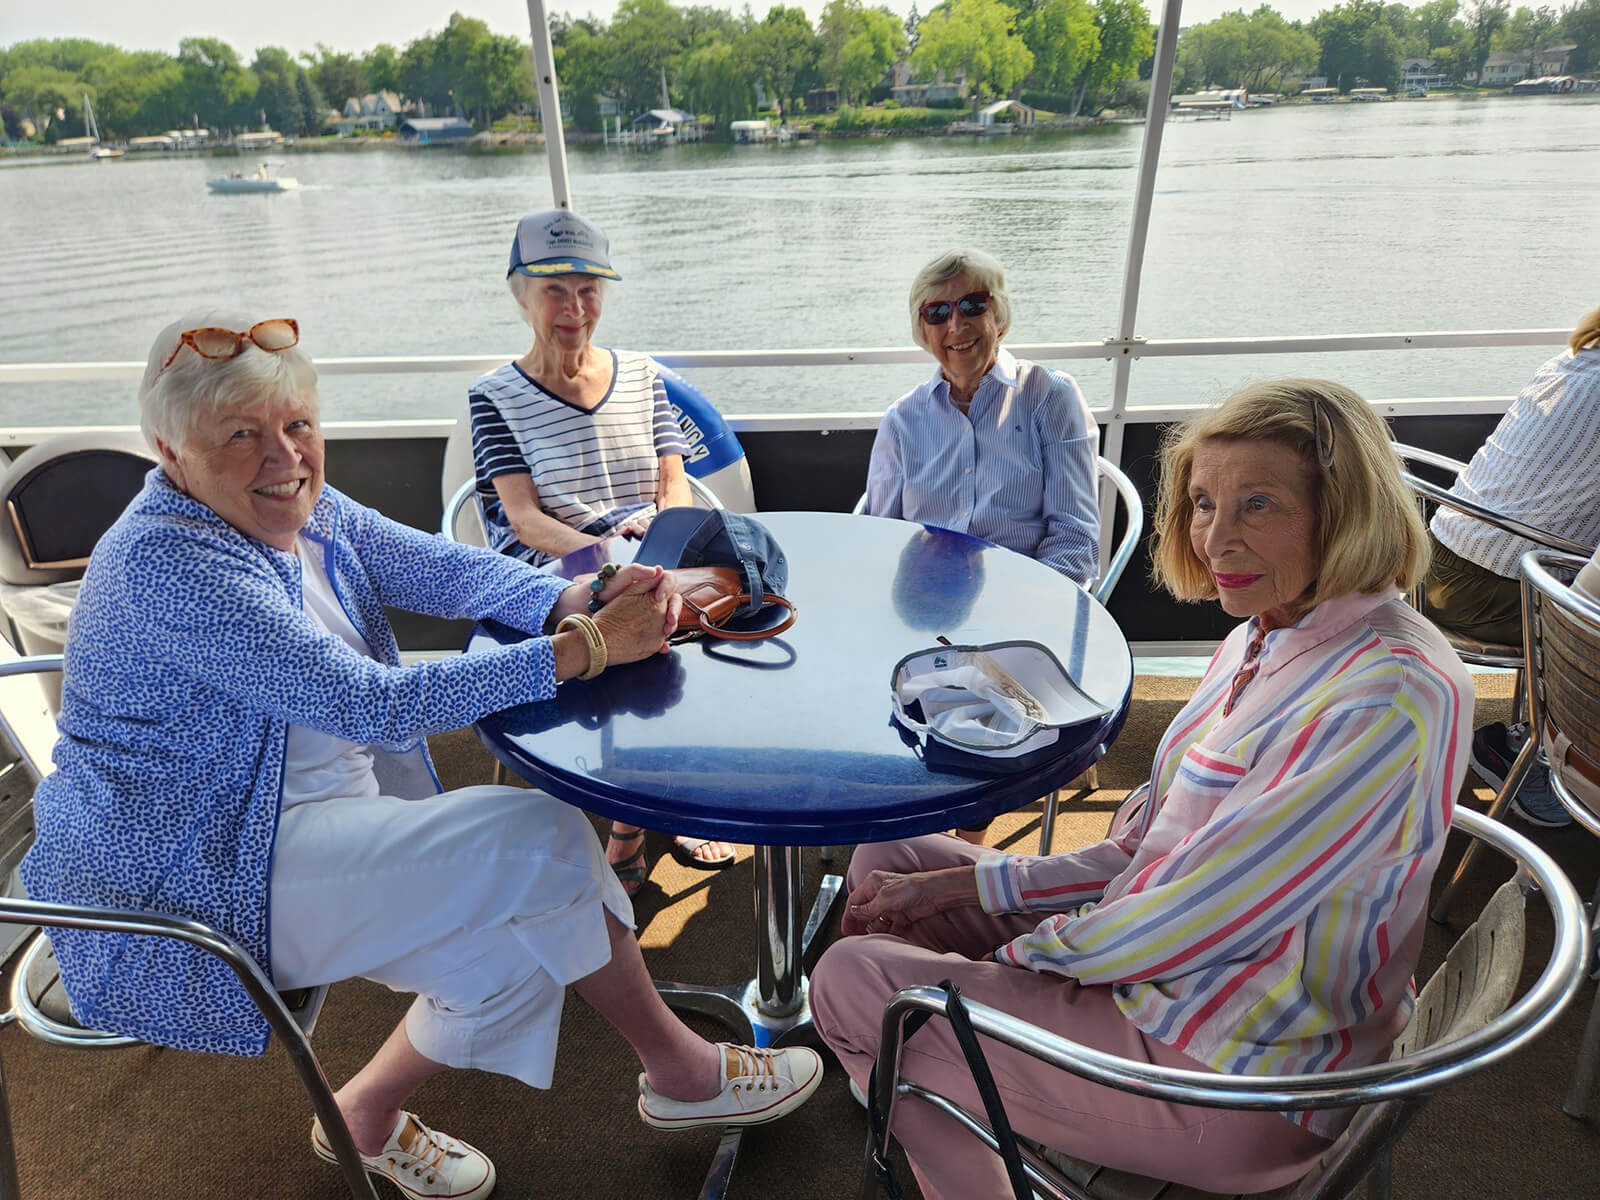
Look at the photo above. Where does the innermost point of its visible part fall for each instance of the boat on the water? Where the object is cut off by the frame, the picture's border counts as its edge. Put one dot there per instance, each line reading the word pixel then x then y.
pixel 263 180
pixel 99 152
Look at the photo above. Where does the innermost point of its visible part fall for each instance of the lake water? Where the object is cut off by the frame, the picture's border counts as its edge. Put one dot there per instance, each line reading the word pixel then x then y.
pixel 1413 215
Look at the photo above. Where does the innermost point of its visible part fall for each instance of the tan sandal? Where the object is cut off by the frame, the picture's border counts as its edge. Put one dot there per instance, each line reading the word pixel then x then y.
pixel 632 870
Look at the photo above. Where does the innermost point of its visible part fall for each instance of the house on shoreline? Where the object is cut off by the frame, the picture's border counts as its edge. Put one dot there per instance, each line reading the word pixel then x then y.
pixel 1504 68
pixel 373 113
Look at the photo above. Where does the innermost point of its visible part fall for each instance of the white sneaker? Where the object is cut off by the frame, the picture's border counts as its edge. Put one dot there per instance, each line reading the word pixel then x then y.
pixel 758 1086
pixel 423 1163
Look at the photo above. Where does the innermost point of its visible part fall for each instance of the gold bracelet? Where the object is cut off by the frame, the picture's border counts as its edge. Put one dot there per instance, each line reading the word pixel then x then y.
pixel 592 638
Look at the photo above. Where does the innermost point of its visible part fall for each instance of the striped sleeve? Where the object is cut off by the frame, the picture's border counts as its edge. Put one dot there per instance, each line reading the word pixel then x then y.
pixel 1332 801
pixel 1010 883
pixel 885 470
pixel 1538 466
pixel 668 434
pixel 1070 505
pixel 494 449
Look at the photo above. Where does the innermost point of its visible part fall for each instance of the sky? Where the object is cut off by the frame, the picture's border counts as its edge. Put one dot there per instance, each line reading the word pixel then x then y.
pixel 299 25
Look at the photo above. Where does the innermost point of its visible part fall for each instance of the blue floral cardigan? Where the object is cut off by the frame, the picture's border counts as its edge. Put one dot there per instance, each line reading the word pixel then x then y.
pixel 187 658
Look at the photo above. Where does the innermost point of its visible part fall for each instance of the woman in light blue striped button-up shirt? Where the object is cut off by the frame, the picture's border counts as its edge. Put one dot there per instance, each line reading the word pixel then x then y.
pixel 992 445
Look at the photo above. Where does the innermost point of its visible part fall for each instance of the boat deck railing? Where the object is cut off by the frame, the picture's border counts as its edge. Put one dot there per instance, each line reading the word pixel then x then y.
pixel 1123 352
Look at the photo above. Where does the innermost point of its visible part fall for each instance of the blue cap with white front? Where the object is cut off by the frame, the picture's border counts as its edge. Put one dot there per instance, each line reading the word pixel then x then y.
pixel 558 242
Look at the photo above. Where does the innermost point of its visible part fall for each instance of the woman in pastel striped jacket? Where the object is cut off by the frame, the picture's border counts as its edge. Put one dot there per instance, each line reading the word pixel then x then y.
pixel 1258 905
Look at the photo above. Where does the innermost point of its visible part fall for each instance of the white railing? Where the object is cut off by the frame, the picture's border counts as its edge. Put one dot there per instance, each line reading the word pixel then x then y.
pixel 1111 349
pixel 1125 350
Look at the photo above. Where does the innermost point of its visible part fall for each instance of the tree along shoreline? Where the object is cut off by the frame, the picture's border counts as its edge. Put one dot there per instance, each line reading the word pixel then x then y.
pixel 494 143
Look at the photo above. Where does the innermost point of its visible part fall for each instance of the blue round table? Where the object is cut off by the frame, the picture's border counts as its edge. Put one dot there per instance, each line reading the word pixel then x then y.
pixel 789 742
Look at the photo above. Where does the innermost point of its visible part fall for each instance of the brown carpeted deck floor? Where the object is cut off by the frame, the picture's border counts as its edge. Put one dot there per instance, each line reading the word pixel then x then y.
pixel 150 1124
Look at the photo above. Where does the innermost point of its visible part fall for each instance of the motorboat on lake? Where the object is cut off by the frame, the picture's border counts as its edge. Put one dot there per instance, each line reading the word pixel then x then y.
pixel 263 180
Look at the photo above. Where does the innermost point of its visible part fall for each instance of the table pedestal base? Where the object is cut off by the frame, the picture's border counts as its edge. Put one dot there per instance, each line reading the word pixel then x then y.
pixel 772 1007
pixel 765 1010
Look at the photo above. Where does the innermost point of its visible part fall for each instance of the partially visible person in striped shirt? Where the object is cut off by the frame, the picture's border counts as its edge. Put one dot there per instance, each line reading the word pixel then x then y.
pixel 1259 904
pixel 1539 466
pixel 573 443
pixel 592 470
pixel 992 445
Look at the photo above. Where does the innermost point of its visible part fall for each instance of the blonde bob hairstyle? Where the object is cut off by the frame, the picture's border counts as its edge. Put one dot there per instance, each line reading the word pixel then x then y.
pixel 986 274
pixel 1587 333
pixel 1370 535
pixel 171 402
pixel 521 285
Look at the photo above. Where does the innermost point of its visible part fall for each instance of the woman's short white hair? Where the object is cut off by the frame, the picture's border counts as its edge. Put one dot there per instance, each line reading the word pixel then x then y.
pixel 520 283
pixel 173 400
pixel 987 274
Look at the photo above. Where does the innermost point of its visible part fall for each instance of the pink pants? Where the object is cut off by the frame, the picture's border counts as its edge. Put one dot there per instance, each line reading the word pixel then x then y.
pixel 1208 1148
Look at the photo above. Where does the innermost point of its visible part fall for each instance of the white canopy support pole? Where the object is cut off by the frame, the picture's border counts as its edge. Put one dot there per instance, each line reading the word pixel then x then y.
pixel 544 73
pixel 1155 123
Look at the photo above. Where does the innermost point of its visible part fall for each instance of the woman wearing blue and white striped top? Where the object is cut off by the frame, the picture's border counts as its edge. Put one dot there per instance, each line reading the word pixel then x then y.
pixel 573 443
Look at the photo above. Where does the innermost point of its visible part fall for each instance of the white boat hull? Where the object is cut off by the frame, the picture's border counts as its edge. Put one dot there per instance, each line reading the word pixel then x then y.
pixel 253 185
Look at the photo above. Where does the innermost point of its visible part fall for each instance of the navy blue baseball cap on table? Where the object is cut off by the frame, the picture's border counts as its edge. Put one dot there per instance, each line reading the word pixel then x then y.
pixel 558 242
pixel 714 537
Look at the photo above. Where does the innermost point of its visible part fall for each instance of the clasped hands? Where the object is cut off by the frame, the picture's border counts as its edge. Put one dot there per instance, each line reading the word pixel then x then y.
pixel 639 610
pixel 890 902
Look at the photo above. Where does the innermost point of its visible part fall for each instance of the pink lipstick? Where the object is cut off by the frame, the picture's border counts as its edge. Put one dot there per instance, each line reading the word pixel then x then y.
pixel 1234 581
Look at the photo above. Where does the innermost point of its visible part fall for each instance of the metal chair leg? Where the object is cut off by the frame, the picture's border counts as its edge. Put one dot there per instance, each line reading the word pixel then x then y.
pixel 1588 1062
pixel 1502 801
pixel 1583 1076
pixel 1380 1180
pixel 1047 825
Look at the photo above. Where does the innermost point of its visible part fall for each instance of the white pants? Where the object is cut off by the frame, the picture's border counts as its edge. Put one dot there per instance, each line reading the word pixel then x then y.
pixel 485 901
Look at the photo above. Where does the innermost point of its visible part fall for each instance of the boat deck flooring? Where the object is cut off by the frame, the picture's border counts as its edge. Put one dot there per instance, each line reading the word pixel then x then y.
pixel 143 1123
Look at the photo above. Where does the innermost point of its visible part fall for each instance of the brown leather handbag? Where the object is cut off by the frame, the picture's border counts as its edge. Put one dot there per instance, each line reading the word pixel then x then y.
pixel 711 597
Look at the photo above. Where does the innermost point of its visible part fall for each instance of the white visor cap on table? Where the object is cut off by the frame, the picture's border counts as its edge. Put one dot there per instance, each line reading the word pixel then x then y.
pixel 558 242
pixel 1004 699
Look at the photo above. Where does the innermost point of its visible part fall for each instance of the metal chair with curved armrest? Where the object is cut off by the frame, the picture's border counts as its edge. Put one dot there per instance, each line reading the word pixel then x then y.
pixel 37 1001
pixel 59 497
pixel 1561 631
pixel 1133 530
pixel 463 518
pixel 1120 554
pixel 1462 1024
pixel 1471 650
pixel 291 1015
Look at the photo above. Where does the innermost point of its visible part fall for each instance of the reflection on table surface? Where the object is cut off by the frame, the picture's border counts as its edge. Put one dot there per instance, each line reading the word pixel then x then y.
pixel 789 741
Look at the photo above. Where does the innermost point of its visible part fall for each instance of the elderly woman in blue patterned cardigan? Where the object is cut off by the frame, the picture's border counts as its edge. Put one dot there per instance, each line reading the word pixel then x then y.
pixel 240 744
